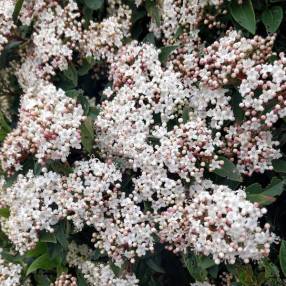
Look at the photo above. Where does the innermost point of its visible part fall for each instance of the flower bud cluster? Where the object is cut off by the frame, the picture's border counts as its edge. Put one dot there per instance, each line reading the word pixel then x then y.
pixel 217 221
pixel 226 60
pixel 48 127
pixel 254 150
pixel 65 280
pixel 189 148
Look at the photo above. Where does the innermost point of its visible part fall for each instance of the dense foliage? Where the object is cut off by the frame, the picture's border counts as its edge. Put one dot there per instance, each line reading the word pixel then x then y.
pixel 142 142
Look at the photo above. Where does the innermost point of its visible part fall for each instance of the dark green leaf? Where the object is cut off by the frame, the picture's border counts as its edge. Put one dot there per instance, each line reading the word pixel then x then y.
pixel 43 262
pixel 165 52
pixel 4 212
pixel 84 103
pixel 153 11
pixel 266 196
pixel 197 272
pixel 17 9
pixel 41 248
pixel 154 266
pixel 61 235
pixel 87 64
pixel 228 170
pixel 48 237
pixel 272 18
pixel 87 135
pixel 94 4
pixel 244 15
pixel 279 166
pixel 42 280
pixel 59 167
pixel 80 279
pixel 74 93
pixel 71 74
pixel 282 256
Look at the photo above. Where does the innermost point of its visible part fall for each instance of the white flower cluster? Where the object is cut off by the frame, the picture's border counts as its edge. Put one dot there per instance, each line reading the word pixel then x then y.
pixel 59 33
pixel 6 21
pixel 96 273
pixel 216 221
pixel 90 196
pixel 270 79
pixel 141 88
pixel 102 39
pixel 48 127
pixel 31 201
pixel 10 274
pixel 183 15
pixel 94 198
pixel 212 105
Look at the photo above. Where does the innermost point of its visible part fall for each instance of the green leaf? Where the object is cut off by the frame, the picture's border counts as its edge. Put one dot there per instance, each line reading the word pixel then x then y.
pixel 4 127
pixel 80 279
pixel 282 256
pixel 74 93
pixel 153 11
pixel 154 266
pixel 4 212
pixel 84 103
pixel 41 248
pixel 87 135
pixel 93 112
pixel 243 273
pixel 42 280
pixel 87 64
pixel 228 170
pixel 266 196
pixel 197 272
pixel 71 74
pixel 59 167
pixel 244 15
pixel 165 52
pixel 94 4
pixel 272 18
pixel 43 262
pixel 48 237
pixel 279 166
pixel 17 9
pixel 61 235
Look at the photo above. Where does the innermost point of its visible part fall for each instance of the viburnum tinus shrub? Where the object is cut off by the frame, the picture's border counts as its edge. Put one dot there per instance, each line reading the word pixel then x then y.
pixel 142 143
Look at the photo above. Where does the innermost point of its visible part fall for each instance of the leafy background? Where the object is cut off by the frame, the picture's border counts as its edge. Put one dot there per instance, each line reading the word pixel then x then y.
pixel 47 260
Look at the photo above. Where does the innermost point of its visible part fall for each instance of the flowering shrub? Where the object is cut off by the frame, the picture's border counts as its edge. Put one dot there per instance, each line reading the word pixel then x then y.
pixel 142 142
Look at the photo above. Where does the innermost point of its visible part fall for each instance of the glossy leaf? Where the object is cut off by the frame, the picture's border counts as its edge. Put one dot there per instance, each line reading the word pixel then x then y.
pixel 282 256
pixel 272 18
pixel 165 52
pixel 43 262
pixel 244 15
pixel 94 4
pixel 228 170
